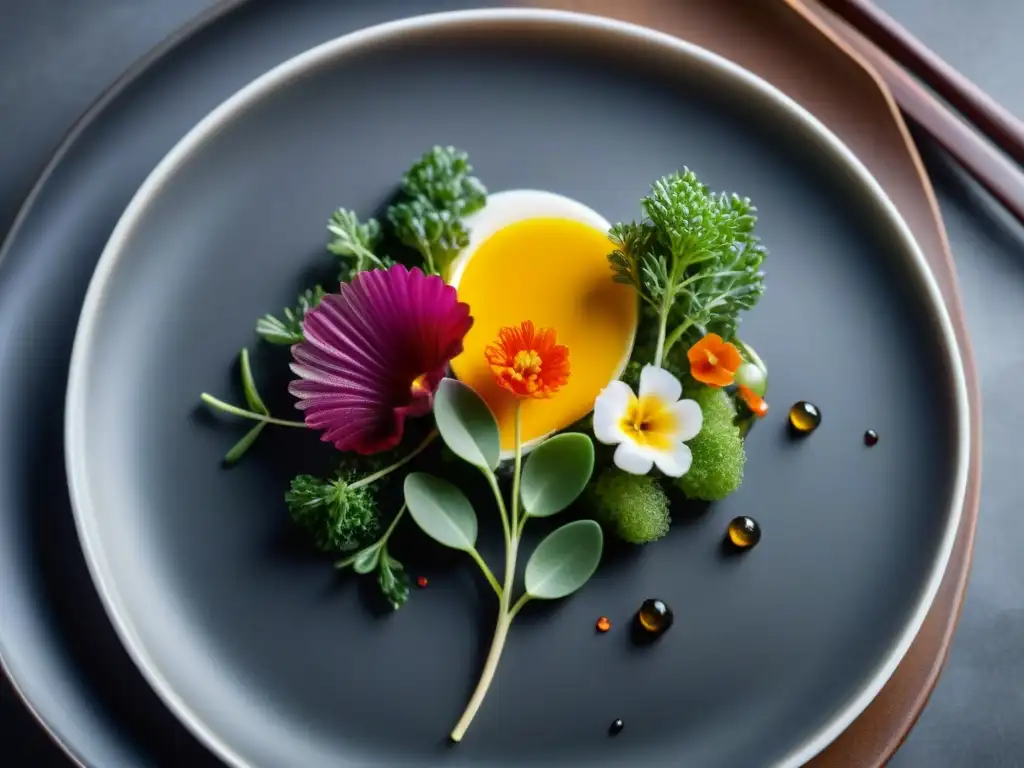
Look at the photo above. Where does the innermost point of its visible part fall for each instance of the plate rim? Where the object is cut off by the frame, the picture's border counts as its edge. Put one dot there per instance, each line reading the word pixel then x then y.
pixel 136 69
pixel 368 37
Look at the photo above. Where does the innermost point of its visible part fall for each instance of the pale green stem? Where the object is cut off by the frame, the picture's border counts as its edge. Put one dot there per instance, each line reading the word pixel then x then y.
pixel 503 513
pixel 677 334
pixel 659 351
pixel 367 254
pixel 486 571
pixel 497 646
pixel 345 563
pixel 505 614
pixel 428 256
pixel 236 411
pixel 519 604
pixel 394 524
pixel 398 464
pixel 518 465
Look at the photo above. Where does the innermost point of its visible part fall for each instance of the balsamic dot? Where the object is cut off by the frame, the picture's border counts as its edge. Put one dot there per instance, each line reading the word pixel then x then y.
pixel 616 727
pixel 804 417
pixel 654 617
pixel 744 532
pixel 870 437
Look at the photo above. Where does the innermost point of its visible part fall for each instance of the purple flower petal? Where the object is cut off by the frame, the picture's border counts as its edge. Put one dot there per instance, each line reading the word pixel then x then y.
pixel 374 355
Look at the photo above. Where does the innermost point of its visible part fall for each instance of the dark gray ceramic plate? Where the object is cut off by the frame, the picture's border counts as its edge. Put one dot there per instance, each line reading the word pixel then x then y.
pixel 273 660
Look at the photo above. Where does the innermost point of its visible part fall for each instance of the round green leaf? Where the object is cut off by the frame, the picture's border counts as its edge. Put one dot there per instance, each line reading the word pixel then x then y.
pixel 556 473
pixel 441 510
pixel 466 424
pixel 565 560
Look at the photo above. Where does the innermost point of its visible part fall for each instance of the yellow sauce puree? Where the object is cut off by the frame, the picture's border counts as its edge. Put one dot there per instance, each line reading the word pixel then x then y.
pixel 554 272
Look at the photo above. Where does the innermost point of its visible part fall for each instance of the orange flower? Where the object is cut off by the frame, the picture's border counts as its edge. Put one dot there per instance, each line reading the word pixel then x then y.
pixel 714 361
pixel 753 401
pixel 528 362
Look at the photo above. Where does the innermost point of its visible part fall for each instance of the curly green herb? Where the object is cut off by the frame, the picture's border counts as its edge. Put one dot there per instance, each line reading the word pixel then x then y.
pixel 340 514
pixel 694 259
pixel 437 192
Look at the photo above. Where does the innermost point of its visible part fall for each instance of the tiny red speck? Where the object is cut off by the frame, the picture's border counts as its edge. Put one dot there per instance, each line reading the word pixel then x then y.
pixel 422 582
pixel 603 624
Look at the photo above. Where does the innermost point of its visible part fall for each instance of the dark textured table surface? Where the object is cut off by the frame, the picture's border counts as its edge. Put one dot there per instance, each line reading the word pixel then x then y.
pixel 56 56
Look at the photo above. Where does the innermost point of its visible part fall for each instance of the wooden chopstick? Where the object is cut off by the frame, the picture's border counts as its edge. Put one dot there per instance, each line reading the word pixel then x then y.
pixel 1005 130
pixel 992 169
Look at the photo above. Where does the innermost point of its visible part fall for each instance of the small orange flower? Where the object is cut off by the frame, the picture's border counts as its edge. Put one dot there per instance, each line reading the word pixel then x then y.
pixel 528 362
pixel 753 401
pixel 714 361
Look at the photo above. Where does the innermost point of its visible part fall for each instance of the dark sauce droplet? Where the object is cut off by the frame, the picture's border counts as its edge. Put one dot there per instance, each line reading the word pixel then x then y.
pixel 654 617
pixel 616 727
pixel 744 532
pixel 804 417
pixel 870 438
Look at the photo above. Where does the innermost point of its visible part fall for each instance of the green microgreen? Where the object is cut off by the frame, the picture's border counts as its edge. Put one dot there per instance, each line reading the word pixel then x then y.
pixel 438 192
pixel 257 411
pixel 693 258
pixel 339 514
pixel 354 243
pixel 287 329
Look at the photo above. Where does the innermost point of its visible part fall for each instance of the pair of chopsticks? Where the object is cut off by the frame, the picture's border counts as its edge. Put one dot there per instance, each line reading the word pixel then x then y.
pixel 897 57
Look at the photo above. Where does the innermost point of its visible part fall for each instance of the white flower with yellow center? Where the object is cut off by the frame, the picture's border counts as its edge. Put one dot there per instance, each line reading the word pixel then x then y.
pixel 651 429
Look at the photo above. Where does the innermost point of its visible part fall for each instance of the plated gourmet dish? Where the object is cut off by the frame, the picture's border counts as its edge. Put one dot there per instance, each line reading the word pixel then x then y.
pixel 585 369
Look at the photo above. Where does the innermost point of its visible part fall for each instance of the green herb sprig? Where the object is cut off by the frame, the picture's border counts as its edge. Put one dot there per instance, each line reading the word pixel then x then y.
pixel 355 244
pixel 391 576
pixel 341 515
pixel 257 411
pixel 553 478
pixel 438 192
pixel 694 258
pixel 287 330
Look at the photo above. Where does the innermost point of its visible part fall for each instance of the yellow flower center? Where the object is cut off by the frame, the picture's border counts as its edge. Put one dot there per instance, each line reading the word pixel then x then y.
pixel 649 422
pixel 712 357
pixel 526 363
pixel 525 368
pixel 419 386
